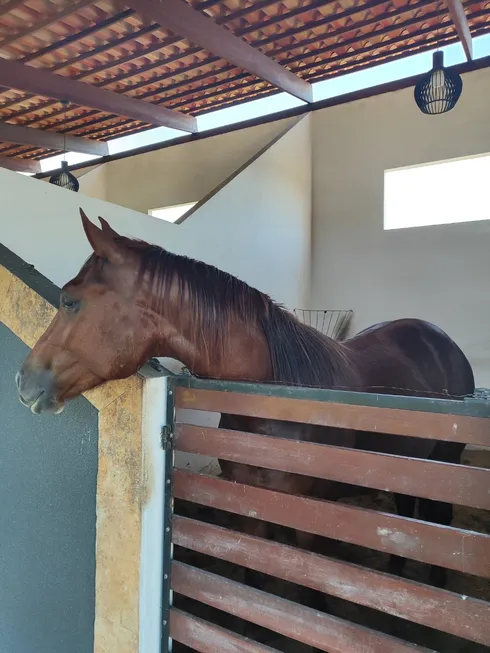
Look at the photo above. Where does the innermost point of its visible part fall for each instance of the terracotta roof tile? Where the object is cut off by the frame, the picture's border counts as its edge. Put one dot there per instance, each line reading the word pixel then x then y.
pixel 107 46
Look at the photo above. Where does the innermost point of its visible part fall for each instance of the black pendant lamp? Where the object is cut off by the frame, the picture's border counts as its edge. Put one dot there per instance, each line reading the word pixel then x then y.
pixel 438 90
pixel 64 178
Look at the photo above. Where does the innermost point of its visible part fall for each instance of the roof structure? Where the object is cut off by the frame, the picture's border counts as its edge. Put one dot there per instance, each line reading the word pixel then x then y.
pixel 77 73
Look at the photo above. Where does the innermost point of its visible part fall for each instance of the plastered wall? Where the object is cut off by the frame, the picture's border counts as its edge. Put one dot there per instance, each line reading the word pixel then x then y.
pixel 437 273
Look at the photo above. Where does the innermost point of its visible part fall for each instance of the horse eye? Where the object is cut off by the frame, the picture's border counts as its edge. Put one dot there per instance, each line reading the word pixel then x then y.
pixel 69 303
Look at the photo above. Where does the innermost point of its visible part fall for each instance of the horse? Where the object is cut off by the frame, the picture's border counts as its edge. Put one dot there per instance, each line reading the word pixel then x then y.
pixel 132 301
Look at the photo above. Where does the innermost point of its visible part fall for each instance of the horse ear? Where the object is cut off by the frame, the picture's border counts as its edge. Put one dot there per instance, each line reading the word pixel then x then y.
pixel 101 241
pixel 106 228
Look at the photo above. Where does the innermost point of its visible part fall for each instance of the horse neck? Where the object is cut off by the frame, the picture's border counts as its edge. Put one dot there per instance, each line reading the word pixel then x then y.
pixel 236 351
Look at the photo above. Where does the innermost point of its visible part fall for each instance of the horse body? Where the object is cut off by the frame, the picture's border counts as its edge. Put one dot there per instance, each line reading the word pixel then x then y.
pixel 132 301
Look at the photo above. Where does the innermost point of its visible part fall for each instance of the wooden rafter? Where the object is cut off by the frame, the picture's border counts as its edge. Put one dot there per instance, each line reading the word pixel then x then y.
pixel 179 17
pixel 49 20
pixel 46 84
pixel 10 6
pixel 460 21
pixel 51 140
pixel 165 77
pixel 20 165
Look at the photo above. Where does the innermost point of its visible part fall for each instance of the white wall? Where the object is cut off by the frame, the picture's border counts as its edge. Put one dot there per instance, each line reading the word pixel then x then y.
pixel 437 273
pixel 257 227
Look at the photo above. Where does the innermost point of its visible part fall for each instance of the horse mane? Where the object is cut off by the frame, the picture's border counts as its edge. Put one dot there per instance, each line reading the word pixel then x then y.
pixel 300 355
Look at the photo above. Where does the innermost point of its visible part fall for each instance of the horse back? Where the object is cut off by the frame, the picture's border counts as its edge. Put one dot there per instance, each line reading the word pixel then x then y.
pixel 411 357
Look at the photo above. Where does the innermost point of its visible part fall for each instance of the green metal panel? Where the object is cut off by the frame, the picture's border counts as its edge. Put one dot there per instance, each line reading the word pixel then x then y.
pixel 168 508
pixel 474 406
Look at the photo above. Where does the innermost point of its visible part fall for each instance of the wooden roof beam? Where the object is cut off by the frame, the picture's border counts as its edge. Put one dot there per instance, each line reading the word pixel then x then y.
pixel 20 165
pixel 41 82
pixel 458 16
pixel 179 17
pixel 21 135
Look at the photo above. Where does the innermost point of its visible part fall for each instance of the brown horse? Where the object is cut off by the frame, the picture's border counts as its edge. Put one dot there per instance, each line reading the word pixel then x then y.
pixel 132 301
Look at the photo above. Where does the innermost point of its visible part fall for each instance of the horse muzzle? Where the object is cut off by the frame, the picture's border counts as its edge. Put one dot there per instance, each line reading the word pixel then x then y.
pixel 37 390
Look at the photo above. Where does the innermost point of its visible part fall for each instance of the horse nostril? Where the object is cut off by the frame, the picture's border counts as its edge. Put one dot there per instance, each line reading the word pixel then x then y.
pixel 36 390
pixel 31 384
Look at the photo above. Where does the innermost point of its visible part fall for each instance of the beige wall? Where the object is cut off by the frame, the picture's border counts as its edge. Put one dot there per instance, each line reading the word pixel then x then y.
pixel 180 174
pixel 437 273
pixel 93 181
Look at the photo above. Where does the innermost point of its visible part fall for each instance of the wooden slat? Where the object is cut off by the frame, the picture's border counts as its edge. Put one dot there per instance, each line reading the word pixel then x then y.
pixel 444 546
pixel 459 484
pixel 477 405
pixel 202 636
pixel 302 624
pixel 462 616
pixel 453 428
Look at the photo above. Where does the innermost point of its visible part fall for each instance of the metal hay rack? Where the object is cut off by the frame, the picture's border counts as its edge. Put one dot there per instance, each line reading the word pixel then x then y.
pixel 332 323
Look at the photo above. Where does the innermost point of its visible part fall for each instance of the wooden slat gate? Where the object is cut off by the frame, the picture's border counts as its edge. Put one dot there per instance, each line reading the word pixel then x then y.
pixel 463 618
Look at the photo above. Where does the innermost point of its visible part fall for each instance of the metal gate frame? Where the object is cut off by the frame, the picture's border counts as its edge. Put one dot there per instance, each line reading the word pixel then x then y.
pixel 464 421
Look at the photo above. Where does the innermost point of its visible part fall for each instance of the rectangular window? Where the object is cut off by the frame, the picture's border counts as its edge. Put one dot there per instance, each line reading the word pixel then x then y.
pixel 172 213
pixel 447 192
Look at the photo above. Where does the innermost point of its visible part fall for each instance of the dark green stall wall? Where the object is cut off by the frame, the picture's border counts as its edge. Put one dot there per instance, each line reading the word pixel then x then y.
pixel 48 475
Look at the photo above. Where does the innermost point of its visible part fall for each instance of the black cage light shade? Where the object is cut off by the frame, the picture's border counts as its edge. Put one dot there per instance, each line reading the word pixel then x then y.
pixel 438 90
pixel 65 179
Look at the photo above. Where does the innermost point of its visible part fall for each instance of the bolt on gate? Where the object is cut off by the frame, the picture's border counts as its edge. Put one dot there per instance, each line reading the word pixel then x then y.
pixel 209 611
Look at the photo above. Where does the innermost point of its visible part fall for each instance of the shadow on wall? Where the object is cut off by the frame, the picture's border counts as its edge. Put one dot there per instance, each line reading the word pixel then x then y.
pixel 176 174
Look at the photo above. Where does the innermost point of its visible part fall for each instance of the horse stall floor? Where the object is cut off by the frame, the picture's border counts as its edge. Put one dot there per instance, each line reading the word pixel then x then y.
pixel 476 520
